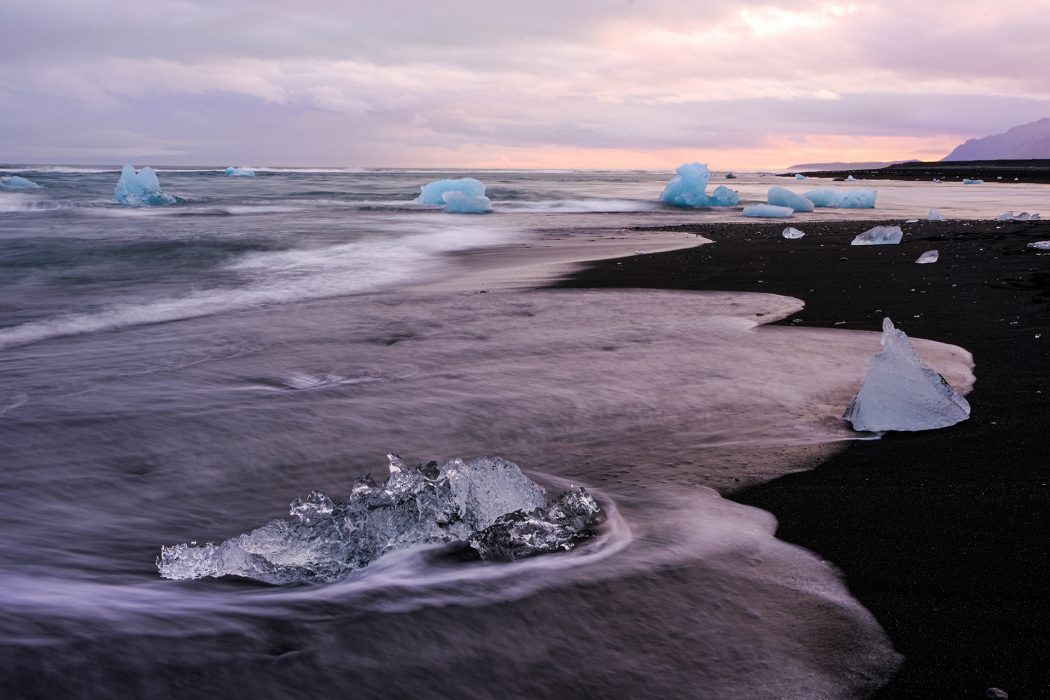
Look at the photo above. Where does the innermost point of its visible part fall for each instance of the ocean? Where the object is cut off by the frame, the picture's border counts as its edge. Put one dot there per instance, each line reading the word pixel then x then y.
pixel 182 373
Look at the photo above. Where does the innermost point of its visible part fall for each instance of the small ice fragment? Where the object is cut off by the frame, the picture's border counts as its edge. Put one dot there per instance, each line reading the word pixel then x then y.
pixel 790 232
pixel 857 199
pixel 781 197
pixel 800 176
pixel 972 181
pixel 850 178
pixel 240 171
pixel 1040 245
pixel 1005 216
pixel 936 179
pixel 768 211
pixel 140 189
pixel 824 196
pixel 688 188
pixel 930 256
pixel 17 182
pixel 902 393
pixel 880 235
pixel 935 215
pixel 912 221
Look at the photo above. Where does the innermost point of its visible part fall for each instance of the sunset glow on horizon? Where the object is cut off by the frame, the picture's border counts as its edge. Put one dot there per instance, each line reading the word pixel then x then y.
pixel 591 84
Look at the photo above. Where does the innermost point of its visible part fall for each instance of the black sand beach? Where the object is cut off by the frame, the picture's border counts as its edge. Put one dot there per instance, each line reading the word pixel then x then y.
pixel 943 535
pixel 991 171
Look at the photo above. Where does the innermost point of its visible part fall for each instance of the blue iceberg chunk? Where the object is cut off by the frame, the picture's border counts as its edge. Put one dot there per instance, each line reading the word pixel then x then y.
pixel 463 195
pixel 140 189
pixel 16 182
pixel 970 181
pixel 688 188
pixel 460 203
pixel 857 199
pixel 781 197
pixel 824 196
pixel 239 172
pixel 768 211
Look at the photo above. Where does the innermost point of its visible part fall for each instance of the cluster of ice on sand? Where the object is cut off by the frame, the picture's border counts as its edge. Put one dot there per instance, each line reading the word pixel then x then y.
pixel 935 215
pixel 768 211
pixel 971 181
pixel 485 502
pixel 463 195
pixel 930 256
pixel 140 189
pixel 790 232
pixel 845 199
pixel 880 235
pixel 233 171
pixel 902 393
pixel 782 197
pixel 688 188
pixel 1023 216
pixel 1040 245
pixel 17 182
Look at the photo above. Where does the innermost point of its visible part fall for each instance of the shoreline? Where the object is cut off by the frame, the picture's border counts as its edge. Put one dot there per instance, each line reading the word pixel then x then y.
pixel 991 171
pixel 942 534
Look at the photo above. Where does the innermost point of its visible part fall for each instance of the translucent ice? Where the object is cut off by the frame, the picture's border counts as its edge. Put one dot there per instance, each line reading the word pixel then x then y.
pixel 485 502
pixel 688 188
pixel 140 189
pixel 850 178
pixel 824 196
pixel 930 256
pixel 969 181
pixel 857 199
pixel 1040 245
pixel 1005 216
pixel 768 211
pixel 800 176
pixel 790 232
pixel 1023 216
pixel 880 235
pixel 460 195
pixel 781 197
pixel 902 393
pixel 239 172
pixel 935 215
pixel 16 182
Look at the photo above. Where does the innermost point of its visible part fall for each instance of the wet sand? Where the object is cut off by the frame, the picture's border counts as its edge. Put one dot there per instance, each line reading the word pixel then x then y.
pixel 942 535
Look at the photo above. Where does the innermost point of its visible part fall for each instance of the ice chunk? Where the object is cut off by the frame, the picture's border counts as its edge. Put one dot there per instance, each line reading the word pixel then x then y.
pixel 17 182
pixel 486 502
pixel 857 199
pixel 912 221
pixel 880 235
pixel 239 172
pixel 781 197
pixel 768 211
pixel 140 189
pixel 790 232
pixel 902 393
pixel 936 179
pixel 460 203
pixel 434 193
pixel 971 181
pixel 800 176
pixel 1023 216
pixel 850 178
pixel 930 256
pixel 688 188
pixel 1005 216
pixel 824 196
pixel 1040 245
pixel 935 215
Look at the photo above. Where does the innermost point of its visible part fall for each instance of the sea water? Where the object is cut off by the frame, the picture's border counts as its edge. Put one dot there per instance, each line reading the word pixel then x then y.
pixel 181 373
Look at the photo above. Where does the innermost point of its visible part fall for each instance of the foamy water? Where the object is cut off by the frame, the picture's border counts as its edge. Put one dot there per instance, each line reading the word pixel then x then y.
pixel 182 373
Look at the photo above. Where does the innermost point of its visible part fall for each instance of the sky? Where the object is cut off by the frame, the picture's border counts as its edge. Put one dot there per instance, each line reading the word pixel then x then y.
pixel 644 84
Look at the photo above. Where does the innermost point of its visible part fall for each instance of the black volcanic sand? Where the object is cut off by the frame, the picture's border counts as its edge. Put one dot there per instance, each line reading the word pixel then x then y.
pixel 942 534
pixel 987 170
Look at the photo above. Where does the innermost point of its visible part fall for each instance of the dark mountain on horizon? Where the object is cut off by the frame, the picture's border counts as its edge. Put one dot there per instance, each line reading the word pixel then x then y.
pixel 1024 142
pixel 866 165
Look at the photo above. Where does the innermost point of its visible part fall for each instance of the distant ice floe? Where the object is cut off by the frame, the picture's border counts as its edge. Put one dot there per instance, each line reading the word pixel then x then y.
pixel 458 195
pixel 850 178
pixel 902 393
pixel 844 199
pixel 930 256
pixel 970 181
pixel 768 211
pixel 688 188
pixel 935 215
pixel 782 197
pixel 234 171
pixel 800 176
pixel 140 189
pixel 1040 245
pixel 1023 216
pixel 485 503
pixel 879 235
pixel 17 182
pixel 792 233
